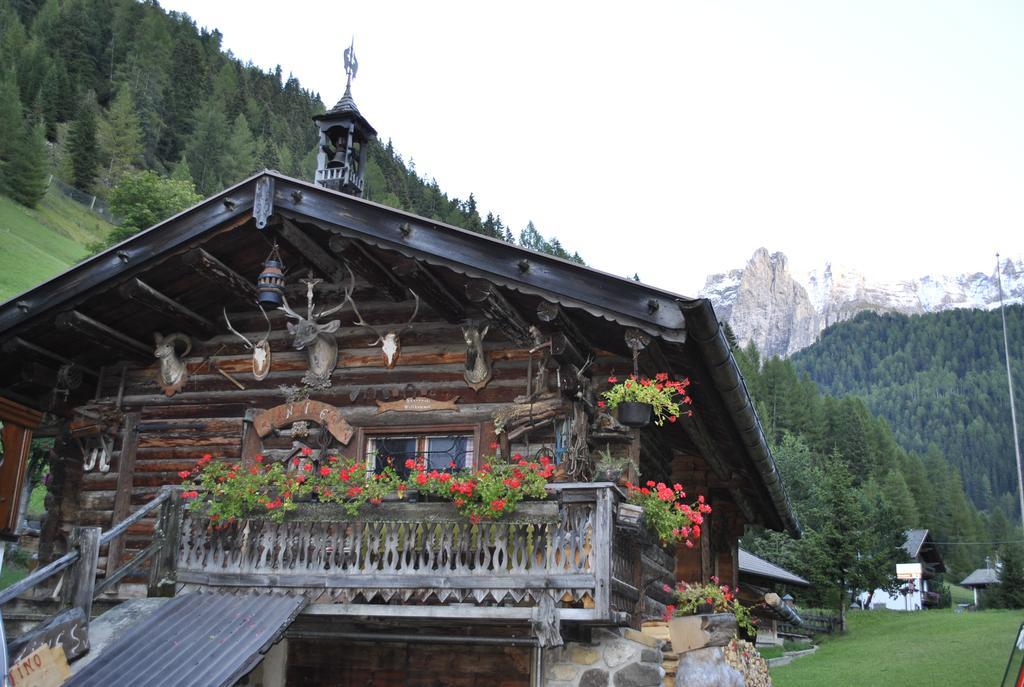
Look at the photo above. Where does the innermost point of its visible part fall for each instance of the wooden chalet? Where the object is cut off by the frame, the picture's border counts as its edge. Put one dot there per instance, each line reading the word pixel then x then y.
pixel 494 346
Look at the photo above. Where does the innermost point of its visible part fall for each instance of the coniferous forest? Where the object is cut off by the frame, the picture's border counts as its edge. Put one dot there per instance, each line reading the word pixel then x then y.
pixel 856 489
pixel 141 107
pixel 940 381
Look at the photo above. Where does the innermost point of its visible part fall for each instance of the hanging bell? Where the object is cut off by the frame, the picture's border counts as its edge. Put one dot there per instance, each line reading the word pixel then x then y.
pixel 271 280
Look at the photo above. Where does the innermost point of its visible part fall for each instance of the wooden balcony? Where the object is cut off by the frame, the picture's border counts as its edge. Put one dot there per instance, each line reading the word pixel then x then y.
pixel 566 557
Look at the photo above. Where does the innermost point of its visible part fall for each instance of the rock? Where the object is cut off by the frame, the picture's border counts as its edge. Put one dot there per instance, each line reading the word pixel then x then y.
pixel 620 651
pixel 564 671
pixel 707 668
pixel 764 304
pixel 640 675
pixel 595 677
pixel 651 656
pixel 581 655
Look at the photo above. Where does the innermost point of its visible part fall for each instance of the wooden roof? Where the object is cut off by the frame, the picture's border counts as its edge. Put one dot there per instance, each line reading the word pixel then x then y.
pixel 104 309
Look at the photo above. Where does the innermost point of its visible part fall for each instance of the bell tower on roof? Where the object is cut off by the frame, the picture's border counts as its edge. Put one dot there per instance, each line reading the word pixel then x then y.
pixel 344 137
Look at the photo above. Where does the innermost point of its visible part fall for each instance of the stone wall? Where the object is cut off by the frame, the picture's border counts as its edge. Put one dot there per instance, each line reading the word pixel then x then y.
pixel 613 658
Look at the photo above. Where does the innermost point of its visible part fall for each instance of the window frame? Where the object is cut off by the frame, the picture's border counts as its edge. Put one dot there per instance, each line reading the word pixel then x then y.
pixel 421 433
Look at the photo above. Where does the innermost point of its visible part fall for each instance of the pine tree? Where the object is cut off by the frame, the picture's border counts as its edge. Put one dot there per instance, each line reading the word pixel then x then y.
pixel 207 149
pixel 10 121
pixel 120 137
pixel 895 492
pixel 26 171
pixel 240 154
pixel 1009 593
pixel 82 145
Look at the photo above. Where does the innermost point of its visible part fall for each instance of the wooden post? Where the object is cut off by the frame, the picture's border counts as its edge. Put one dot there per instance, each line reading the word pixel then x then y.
pixel 604 522
pixel 637 554
pixel 125 475
pixel 82 575
pixel 251 442
pixel 162 569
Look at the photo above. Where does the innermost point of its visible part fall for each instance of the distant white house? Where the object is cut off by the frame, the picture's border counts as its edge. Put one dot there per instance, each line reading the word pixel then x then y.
pixel 922 564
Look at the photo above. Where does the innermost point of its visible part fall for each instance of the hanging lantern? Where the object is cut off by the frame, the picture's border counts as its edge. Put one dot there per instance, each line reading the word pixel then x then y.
pixel 271 280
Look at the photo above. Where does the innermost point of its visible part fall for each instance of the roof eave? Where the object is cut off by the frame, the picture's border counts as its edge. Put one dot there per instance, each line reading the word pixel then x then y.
pixel 705 330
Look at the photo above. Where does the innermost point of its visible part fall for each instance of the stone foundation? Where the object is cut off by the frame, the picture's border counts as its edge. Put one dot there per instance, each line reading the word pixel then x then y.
pixel 613 658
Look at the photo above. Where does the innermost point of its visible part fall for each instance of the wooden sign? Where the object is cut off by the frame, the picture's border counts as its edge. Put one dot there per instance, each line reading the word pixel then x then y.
pixel 310 411
pixel 420 404
pixel 45 667
pixel 68 631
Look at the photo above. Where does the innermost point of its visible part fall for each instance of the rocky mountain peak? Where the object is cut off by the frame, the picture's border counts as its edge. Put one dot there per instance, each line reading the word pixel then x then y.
pixel 765 303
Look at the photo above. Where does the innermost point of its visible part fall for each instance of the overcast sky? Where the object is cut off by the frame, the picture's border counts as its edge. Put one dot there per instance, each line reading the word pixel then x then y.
pixel 672 139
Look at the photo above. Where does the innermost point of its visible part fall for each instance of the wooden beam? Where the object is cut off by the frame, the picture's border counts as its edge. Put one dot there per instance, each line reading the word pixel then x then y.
pixel 559 320
pixel 429 288
pixel 563 350
pixel 311 252
pixel 499 311
pixel 139 291
pixel 16 342
pixel 658 358
pixel 217 272
pixel 368 267
pixel 108 337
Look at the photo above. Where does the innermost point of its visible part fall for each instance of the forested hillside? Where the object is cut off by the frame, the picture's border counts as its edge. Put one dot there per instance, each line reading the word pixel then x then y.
pixel 855 488
pixel 138 105
pixel 940 381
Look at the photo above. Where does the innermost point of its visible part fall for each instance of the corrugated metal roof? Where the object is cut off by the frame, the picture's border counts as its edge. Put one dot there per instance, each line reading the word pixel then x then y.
pixel 755 565
pixel 981 576
pixel 200 639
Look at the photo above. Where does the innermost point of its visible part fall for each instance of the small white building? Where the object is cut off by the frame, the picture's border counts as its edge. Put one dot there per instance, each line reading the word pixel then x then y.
pixel 923 563
pixel 982 579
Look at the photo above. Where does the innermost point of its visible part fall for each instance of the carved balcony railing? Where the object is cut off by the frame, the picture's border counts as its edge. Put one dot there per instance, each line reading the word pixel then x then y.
pixel 565 553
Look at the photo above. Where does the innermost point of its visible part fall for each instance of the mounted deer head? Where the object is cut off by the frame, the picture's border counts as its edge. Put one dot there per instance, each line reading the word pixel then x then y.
pixel 173 372
pixel 260 349
pixel 478 367
pixel 314 337
pixel 391 340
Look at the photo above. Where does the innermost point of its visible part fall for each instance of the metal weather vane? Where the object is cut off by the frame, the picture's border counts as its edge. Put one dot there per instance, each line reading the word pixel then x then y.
pixel 351 63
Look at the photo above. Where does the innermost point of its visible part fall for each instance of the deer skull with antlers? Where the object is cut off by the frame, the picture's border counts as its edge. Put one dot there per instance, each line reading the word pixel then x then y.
pixel 315 337
pixel 390 340
pixel 260 349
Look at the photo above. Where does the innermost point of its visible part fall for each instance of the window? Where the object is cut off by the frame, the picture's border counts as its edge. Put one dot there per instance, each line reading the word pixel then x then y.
pixel 443 452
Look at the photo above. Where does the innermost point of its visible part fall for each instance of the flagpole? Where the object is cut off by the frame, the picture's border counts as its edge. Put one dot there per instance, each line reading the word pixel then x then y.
pixel 1009 380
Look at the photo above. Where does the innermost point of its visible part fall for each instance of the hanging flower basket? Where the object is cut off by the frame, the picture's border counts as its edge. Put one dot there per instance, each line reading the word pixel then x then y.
pixel 639 400
pixel 634 414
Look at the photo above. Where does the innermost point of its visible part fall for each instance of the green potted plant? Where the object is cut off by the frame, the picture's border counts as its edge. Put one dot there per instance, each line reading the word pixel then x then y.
pixel 705 615
pixel 638 400
pixel 609 468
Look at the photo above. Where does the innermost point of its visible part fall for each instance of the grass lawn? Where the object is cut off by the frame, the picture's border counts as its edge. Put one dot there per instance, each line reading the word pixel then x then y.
pixel 909 649
pixel 38 244
pixel 961 595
